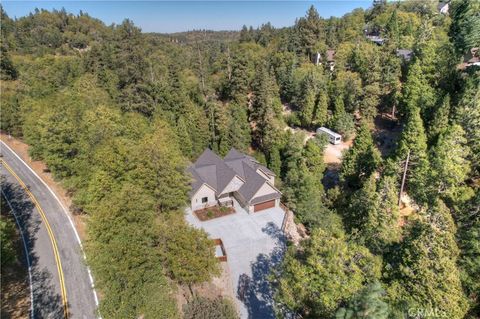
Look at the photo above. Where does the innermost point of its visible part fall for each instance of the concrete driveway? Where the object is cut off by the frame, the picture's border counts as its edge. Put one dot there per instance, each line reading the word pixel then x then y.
pixel 253 243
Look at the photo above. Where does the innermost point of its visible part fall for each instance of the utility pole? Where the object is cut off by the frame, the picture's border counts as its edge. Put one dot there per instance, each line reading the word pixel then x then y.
pixel 403 178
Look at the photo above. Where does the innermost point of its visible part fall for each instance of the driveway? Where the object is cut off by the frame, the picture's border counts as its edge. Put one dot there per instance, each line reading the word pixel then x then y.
pixel 253 243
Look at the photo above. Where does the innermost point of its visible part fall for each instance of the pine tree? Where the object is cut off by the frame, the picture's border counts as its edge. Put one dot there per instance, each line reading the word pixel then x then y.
pixel 324 272
pixel 184 136
pixel 313 154
pixel 450 166
pixel 439 122
pixel 266 110
pixel 392 29
pixel 245 34
pixel 417 92
pixel 468 236
pixel 309 100
pixel 369 303
pixel 424 274
pixel 320 112
pixel 465 29
pixel 303 189
pixel 238 84
pixel 413 140
pixel 468 116
pixel 239 128
pixel 342 122
pixel 310 28
pixel 361 160
pixel 274 160
pixel 373 213
pixel 370 102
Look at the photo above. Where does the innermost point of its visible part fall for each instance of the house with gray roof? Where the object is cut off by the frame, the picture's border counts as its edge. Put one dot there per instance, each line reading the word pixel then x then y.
pixel 237 177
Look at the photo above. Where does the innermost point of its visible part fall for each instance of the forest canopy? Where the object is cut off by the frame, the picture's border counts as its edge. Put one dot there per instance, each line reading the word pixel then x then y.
pixel 117 115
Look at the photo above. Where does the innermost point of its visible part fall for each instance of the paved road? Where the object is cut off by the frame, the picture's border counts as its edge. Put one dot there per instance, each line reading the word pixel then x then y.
pixel 62 286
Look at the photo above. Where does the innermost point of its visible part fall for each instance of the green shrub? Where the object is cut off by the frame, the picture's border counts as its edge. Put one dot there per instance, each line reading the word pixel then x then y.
pixel 205 308
pixel 7 234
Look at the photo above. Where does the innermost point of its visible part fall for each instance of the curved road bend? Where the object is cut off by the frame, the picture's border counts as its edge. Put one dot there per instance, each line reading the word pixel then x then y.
pixel 61 281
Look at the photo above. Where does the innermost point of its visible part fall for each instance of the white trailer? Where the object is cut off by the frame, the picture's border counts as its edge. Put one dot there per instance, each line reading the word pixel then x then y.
pixel 333 137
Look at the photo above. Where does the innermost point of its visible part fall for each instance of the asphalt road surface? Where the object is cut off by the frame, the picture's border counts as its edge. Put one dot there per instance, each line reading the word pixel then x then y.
pixel 61 282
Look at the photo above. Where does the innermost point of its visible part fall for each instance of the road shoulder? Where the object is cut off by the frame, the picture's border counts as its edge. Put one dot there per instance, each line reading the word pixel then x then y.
pixel 41 169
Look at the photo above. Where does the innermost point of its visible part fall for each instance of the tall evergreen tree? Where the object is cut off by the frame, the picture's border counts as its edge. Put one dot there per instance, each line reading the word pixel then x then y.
pixel 239 128
pixel 361 160
pixel 467 114
pixel 310 29
pixel 413 140
pixel 373 214
pixel 450 166
pixel 324 272
pixel 417 92
pixel 369 303
pixel 465 27
pixel 439 122
pixel 265 110
pixel 424 274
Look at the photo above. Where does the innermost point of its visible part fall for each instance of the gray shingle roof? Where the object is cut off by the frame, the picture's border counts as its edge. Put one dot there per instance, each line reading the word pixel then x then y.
pixel 253 182
pixel 234 155
pixel 264 198
pixel 210 169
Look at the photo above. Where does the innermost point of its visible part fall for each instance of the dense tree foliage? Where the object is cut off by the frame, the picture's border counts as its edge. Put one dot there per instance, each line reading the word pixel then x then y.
pixel 328 270
pixel 7 237
pixel 368 303
pixel 204 308
pixel 118 114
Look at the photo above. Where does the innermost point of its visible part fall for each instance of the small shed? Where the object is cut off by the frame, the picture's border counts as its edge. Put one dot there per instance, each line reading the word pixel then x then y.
pixel 333 137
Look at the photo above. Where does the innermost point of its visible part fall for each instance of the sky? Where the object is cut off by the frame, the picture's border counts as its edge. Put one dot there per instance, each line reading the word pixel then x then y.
pixel 177 16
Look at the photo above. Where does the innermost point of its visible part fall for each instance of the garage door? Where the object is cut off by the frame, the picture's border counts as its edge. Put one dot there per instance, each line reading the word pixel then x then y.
pixel 264 205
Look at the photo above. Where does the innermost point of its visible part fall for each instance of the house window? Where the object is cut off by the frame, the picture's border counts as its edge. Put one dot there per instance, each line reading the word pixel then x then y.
pixel 204 199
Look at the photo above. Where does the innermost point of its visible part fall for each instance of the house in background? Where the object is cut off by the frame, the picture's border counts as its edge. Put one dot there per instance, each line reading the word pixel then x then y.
pixel 472 57
pixel 329 60
pixel 404 54
pixel 378 40
pixel 443 7
pixel 237 177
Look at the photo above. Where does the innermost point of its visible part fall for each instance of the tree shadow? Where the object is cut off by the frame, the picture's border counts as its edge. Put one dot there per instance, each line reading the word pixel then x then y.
pixel 256 292
pixel 47 300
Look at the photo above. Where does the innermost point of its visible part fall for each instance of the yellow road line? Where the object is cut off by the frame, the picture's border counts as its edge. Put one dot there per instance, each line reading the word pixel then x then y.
pixel 50 234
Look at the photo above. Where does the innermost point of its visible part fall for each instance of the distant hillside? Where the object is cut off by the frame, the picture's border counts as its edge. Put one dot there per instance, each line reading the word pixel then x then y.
pixel 196 36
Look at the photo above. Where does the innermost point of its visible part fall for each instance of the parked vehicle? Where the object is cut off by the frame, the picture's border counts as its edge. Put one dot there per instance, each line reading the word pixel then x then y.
pixel 333 137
